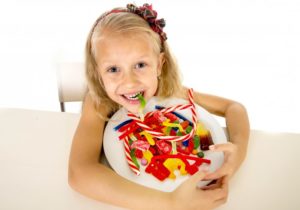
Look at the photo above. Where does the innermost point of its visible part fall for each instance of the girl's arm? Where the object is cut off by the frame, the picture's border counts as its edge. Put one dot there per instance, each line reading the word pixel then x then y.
pixel 238 128
pixel 95 180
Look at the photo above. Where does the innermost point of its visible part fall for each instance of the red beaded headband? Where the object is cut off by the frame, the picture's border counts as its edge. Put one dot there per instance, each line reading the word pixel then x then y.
pixel 147 13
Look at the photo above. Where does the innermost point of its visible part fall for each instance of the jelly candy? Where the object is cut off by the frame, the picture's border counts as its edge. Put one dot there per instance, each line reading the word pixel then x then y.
pixel 173 164
pixel 164 146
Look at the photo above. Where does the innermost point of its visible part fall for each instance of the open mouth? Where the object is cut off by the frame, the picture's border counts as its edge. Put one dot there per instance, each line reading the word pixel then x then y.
pixel 133 97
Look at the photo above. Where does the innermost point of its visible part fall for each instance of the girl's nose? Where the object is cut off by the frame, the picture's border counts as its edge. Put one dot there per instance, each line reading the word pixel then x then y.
pixel 130 80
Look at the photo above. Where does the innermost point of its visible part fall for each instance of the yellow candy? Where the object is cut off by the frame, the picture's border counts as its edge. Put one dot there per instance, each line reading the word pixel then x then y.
pixel 173 164
pixel 147 155
pixel 148 137
pixel 201 130
pixel 173 125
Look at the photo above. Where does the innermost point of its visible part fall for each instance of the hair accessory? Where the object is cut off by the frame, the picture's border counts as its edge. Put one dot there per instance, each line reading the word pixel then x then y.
pixel 150 15
pixel 147 13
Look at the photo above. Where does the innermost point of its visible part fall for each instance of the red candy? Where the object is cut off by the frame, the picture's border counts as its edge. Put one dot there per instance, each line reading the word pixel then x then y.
pixel 157 169
pixel 171 117
pixel 141 145
pixel 159 116
pixel 164 146
pixel 153 150
pixel 191 146
pixel 173 133
pixel 138 153
pixel 162 150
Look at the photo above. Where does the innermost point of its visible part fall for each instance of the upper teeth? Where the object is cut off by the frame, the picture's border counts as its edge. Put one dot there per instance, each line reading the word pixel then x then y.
pixel 132 96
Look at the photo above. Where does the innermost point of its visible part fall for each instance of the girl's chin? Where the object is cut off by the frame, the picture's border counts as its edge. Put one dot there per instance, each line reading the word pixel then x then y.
pixel 134 110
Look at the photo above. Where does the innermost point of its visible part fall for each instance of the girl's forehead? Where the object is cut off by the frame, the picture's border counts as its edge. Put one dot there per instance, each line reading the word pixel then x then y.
pixel 123 36
pixel 115 42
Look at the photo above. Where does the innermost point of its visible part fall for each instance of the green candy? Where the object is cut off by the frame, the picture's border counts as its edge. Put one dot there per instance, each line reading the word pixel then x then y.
pixel 168 130
pixel 200 154
pixel 130 141
pixel 179 133
pixel 142 101
pixel 142 106
pixel 133 157
pixel 196 141
pixel 188 129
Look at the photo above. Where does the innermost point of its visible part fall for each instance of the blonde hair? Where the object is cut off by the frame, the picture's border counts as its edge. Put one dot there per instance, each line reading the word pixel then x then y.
pixel 169 83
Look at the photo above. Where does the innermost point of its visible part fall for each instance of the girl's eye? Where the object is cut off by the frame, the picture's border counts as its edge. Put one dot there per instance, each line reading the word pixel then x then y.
pixel 113 69
pixel 140 65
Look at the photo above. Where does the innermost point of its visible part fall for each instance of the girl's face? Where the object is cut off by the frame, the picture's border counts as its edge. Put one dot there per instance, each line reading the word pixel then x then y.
pixel 128 66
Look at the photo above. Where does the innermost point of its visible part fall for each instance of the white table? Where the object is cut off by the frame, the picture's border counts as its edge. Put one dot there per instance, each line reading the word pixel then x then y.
pixel 34 150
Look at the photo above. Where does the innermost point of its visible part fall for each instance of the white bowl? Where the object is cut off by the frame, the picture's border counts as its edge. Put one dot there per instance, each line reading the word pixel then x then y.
pixel 115 152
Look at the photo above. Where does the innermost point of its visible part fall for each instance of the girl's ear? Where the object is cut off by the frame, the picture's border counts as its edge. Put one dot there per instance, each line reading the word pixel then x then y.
pixel 161 61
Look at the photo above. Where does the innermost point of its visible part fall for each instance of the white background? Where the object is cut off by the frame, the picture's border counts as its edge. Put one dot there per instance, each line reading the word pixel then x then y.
pixel 244 50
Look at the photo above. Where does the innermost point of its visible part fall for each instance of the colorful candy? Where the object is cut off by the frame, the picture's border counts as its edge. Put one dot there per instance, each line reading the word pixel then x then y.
pixel 164 146
pixel 141 145
pixel 173 164
pixel 147 155
pixel 164 141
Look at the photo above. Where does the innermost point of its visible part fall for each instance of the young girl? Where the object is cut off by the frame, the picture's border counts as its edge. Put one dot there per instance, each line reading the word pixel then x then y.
pixel 126 55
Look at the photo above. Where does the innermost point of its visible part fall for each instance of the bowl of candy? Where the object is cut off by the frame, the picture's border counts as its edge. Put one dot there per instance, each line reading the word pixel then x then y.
pixel 165 144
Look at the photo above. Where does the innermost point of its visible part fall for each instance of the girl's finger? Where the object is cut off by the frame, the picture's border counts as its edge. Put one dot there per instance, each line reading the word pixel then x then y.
pixel 197 177
pixel 224 186
pixel 217 174
pixel 213 185
pixel 219 193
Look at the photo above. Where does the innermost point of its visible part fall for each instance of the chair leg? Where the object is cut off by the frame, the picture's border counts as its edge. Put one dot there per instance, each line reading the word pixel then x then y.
pixel 62 106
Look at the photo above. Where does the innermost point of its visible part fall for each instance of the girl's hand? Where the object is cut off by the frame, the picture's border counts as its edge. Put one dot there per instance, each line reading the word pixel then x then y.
pixel 189 196
pixel 232 161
